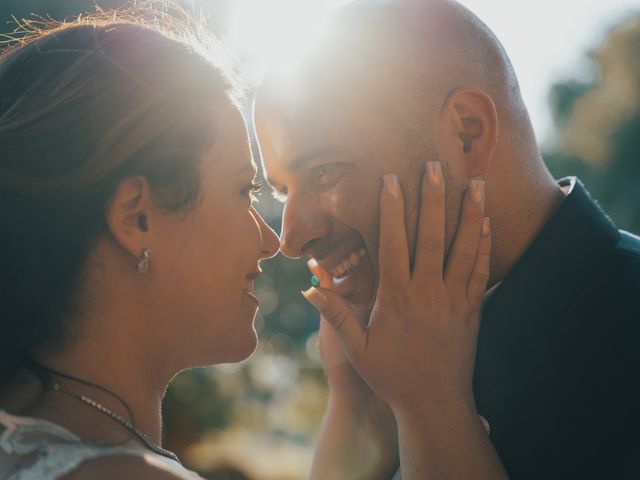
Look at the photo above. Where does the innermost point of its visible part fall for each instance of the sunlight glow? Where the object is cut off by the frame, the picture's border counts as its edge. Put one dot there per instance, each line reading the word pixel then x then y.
pixel 275 32
pixel 542 44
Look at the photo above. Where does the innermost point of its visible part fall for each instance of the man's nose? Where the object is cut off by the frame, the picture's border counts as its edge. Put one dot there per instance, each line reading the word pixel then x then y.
pixel 302 223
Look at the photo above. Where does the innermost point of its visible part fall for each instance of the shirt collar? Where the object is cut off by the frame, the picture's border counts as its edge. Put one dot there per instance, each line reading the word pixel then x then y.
pixel 549 274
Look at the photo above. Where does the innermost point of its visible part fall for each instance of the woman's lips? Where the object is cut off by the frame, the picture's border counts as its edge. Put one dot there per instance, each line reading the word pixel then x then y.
pixel 248 290
pixel 251 296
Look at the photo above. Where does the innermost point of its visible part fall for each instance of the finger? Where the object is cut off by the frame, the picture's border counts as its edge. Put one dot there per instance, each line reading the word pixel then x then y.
pixel 462 256
pixel 338 313
pixel 393 254
pixel 430 241
pixel 477 286
pixel 329 347
pixel 324 277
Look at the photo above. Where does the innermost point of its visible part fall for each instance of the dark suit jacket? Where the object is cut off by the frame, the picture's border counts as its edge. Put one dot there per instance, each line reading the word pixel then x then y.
pixel 558 363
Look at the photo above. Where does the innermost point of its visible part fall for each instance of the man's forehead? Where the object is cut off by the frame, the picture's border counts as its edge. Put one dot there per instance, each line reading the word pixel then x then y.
pixel 314 108
pixel 291 129
pixel 294 154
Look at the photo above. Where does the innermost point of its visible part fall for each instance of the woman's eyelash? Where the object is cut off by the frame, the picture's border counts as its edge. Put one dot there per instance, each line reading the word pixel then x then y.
pixel 256 187
pixel 253 188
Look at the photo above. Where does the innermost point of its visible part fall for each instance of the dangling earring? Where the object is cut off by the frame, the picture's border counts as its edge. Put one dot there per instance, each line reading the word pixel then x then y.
pixel 142 266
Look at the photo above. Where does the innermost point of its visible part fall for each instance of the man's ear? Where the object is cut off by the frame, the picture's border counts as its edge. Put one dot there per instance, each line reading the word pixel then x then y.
pixel 468 130
pixel 128 215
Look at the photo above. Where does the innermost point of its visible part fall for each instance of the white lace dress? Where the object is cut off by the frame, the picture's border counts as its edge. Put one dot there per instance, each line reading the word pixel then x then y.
pixel 34 449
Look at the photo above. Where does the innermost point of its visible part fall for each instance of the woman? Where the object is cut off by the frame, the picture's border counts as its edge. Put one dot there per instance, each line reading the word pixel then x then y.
pixel 122 154
pixel 120 147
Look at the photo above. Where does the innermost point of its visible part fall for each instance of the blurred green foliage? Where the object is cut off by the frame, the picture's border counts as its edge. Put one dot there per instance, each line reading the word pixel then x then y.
pixel 598 125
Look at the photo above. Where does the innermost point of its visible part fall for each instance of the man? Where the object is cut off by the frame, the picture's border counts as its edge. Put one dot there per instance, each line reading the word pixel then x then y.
pixel 395 84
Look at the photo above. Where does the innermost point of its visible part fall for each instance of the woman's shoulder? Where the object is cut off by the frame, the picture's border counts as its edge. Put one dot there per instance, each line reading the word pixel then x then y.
pixel 131 467
pixel 38 448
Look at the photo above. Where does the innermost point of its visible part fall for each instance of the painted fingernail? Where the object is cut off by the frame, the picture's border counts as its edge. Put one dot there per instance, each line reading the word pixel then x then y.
pixel 434 170
pixel 316 298
pixel 391 184
pixel 486 227
pixel 477 191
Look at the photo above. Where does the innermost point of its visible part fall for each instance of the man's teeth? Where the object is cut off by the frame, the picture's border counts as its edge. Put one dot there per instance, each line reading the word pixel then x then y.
pixel 352 260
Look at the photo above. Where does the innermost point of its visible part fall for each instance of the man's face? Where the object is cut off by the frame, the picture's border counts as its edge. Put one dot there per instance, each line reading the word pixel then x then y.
pixel 326 159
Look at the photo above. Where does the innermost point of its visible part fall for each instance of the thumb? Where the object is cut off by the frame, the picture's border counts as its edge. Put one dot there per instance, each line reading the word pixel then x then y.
pixel 329 346
pixel 339 314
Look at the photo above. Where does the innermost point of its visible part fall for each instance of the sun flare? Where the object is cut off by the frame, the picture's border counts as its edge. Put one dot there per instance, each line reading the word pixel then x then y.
pixel 275 32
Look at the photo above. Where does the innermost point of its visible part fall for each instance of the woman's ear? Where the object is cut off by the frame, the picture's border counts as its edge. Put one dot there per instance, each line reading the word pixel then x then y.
pixel 468 130
pixel 129 215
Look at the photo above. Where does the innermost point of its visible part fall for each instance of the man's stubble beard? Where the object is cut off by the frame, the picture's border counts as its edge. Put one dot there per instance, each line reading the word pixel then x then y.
pixel 412 195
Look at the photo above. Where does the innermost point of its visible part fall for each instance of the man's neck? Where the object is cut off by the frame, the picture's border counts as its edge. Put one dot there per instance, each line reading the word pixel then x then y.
pixel 519 210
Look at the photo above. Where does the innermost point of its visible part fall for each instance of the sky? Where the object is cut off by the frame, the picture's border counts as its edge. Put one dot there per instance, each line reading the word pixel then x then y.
pixel 546 40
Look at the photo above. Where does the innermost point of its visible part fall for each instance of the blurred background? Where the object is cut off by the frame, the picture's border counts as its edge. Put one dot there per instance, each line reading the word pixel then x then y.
pixel 579 68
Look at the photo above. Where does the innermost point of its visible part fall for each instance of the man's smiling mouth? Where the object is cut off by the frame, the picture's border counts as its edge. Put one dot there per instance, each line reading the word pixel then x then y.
pixel 350 261
pixel 352 270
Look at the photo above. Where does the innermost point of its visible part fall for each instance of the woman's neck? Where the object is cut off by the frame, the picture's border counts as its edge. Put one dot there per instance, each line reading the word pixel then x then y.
pixel 135 403
pixel 120 371
pixel 116 346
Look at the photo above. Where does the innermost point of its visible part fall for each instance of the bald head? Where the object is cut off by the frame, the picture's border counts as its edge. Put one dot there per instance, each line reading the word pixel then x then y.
pixel 409 54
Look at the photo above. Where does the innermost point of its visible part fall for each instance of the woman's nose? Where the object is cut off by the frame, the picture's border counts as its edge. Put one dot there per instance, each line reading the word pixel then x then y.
pixel 270 240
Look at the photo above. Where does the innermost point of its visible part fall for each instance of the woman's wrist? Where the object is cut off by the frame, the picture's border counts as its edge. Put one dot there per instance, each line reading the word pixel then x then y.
pixel 359 438
pixel 349 396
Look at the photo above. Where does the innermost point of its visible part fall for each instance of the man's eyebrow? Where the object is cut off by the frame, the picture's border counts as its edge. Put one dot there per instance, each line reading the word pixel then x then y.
pixel 319 152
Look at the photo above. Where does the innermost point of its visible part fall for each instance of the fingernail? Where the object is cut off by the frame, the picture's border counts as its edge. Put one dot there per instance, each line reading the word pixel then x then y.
pixel 486 227
pixel 316 298
pixel 434 171
pixel 477 191
pixel 391 184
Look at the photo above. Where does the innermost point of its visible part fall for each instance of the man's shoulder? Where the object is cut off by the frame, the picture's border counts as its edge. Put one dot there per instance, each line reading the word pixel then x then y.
pixel 611 289
pixel 619 277
pixel 629 244
pixel 626 260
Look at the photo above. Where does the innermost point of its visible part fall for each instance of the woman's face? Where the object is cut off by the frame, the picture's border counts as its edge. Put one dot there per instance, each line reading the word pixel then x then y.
pixel 205 262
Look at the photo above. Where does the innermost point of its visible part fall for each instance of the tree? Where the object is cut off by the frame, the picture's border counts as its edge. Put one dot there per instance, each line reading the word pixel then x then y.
pixel 599 125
